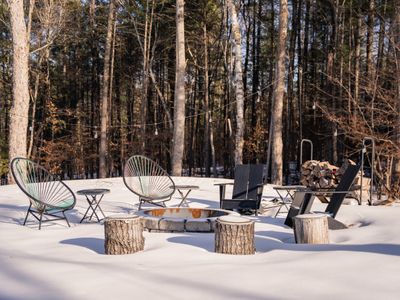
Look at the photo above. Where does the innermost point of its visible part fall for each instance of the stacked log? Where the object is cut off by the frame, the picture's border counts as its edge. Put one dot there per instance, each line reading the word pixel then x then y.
pixel 322 175
pixel 318 174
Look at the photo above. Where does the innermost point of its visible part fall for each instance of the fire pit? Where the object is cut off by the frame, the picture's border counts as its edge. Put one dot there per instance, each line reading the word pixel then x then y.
pixel 182 219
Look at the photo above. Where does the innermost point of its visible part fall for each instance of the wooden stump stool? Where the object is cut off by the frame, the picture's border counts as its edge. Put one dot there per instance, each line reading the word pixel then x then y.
pixel 311 229
pixel 123 234
pixel 234 235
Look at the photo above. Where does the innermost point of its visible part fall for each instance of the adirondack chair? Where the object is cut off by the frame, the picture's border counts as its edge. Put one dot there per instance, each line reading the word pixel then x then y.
pixel 303 200
pixel 48 195
pixel 145 178
pixel 247 189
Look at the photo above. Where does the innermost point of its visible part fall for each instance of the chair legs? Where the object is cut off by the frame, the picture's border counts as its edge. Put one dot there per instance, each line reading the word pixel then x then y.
pixel 39 216
pixel 161 204
pixel 66 219
pixel 40 220
pixel 27 213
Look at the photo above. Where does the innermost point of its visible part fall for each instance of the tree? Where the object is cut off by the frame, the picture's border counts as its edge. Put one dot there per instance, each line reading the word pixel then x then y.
pixel 179 102
pixel 238 83
pixel 20 104
pixel 105 92
pixel 277 111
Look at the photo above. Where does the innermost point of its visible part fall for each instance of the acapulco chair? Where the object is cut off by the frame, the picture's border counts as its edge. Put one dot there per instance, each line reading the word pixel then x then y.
pixel 48 196
pixel 145 178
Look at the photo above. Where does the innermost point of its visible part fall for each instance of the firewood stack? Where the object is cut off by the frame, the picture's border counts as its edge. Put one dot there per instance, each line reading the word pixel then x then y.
pixel 321 174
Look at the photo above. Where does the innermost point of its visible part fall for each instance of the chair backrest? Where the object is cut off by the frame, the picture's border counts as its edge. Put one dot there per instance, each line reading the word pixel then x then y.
pixel 44 190
pixel 248 179
pixel 145 178
pixel 344 185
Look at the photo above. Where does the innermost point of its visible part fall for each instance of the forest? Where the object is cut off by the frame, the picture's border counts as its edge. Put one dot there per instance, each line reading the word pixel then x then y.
pixel 200 86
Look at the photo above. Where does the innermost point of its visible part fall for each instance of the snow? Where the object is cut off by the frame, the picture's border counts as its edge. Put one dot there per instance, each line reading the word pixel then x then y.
pixel 58 262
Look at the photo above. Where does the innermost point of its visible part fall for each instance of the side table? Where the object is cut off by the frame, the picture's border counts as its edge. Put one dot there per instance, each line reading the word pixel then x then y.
pixel 94 202
pixel 188 188
pixel 286 194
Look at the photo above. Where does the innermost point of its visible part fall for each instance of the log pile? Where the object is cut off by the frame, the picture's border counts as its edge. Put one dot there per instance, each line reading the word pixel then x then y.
pixel 321 174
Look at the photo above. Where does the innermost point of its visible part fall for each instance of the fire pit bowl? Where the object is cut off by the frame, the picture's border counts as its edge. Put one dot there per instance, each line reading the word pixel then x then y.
pixel 182 219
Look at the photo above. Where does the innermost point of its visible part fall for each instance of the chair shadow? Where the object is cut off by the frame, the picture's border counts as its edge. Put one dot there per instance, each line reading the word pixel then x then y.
pixel 93 244
pixel 4 218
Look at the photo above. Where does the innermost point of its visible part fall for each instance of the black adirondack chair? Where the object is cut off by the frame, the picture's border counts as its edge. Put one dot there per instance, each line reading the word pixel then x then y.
pixel 247 189
pixel 303 200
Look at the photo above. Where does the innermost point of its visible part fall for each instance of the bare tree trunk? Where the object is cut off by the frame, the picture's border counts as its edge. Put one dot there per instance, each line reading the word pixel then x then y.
pixel 357 50
pixel 179 102
pixel 396 46
pixel 277 112
pixel 20 106
pixel 105 92
pixel 370 40
pixel 238 152
pixel 206 104
pixel 381 37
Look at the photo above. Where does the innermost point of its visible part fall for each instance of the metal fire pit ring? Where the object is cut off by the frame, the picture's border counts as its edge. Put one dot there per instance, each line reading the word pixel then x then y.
pixel 182 219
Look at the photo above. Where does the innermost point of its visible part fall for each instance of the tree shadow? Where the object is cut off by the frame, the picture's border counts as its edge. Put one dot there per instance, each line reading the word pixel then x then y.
pixel 93 244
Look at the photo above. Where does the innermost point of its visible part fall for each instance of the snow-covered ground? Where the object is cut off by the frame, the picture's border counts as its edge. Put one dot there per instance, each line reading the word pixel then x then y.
pixel 58 262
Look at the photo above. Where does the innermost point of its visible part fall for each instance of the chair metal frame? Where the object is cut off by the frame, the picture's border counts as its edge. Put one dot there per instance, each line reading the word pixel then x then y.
pixel 148 180
pixel 48 195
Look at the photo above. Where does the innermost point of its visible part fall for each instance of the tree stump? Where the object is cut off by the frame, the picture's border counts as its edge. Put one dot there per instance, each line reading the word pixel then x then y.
pixel 123 234
pixel 311 229
pixel 234 235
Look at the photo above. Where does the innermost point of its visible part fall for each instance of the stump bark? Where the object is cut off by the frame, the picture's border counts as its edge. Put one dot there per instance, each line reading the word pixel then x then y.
pixel 123 234
pixel 311 229
pixel 234 235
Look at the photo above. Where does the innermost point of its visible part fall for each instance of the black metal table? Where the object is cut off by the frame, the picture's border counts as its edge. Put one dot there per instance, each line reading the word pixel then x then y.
pixel 188 188
pixel 94 202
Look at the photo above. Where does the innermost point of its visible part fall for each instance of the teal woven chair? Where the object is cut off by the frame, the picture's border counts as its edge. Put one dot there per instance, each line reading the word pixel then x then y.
pixel 148 180
pixel 49 196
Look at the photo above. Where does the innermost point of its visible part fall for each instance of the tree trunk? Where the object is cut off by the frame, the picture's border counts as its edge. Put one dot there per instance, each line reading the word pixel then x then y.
pixel 238 152
pixel 206 105
pixel 277 112
pixel 357 41
pixel 19 113
pixel 370 40
pixel 396 46
pixel 311 229
pixel 123 234
pixel 234 235
pixel 103 151
pixel 179 102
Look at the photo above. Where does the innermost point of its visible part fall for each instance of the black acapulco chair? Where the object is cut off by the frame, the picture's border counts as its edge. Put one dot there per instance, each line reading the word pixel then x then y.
pixel 145 178
pixel 49 197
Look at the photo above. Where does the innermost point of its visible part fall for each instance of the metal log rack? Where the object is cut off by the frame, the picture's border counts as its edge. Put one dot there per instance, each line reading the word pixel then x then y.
pixel 301 149
pixel 363 151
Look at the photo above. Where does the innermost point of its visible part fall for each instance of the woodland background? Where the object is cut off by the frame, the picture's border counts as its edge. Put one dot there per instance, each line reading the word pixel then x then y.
pixel 340 83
